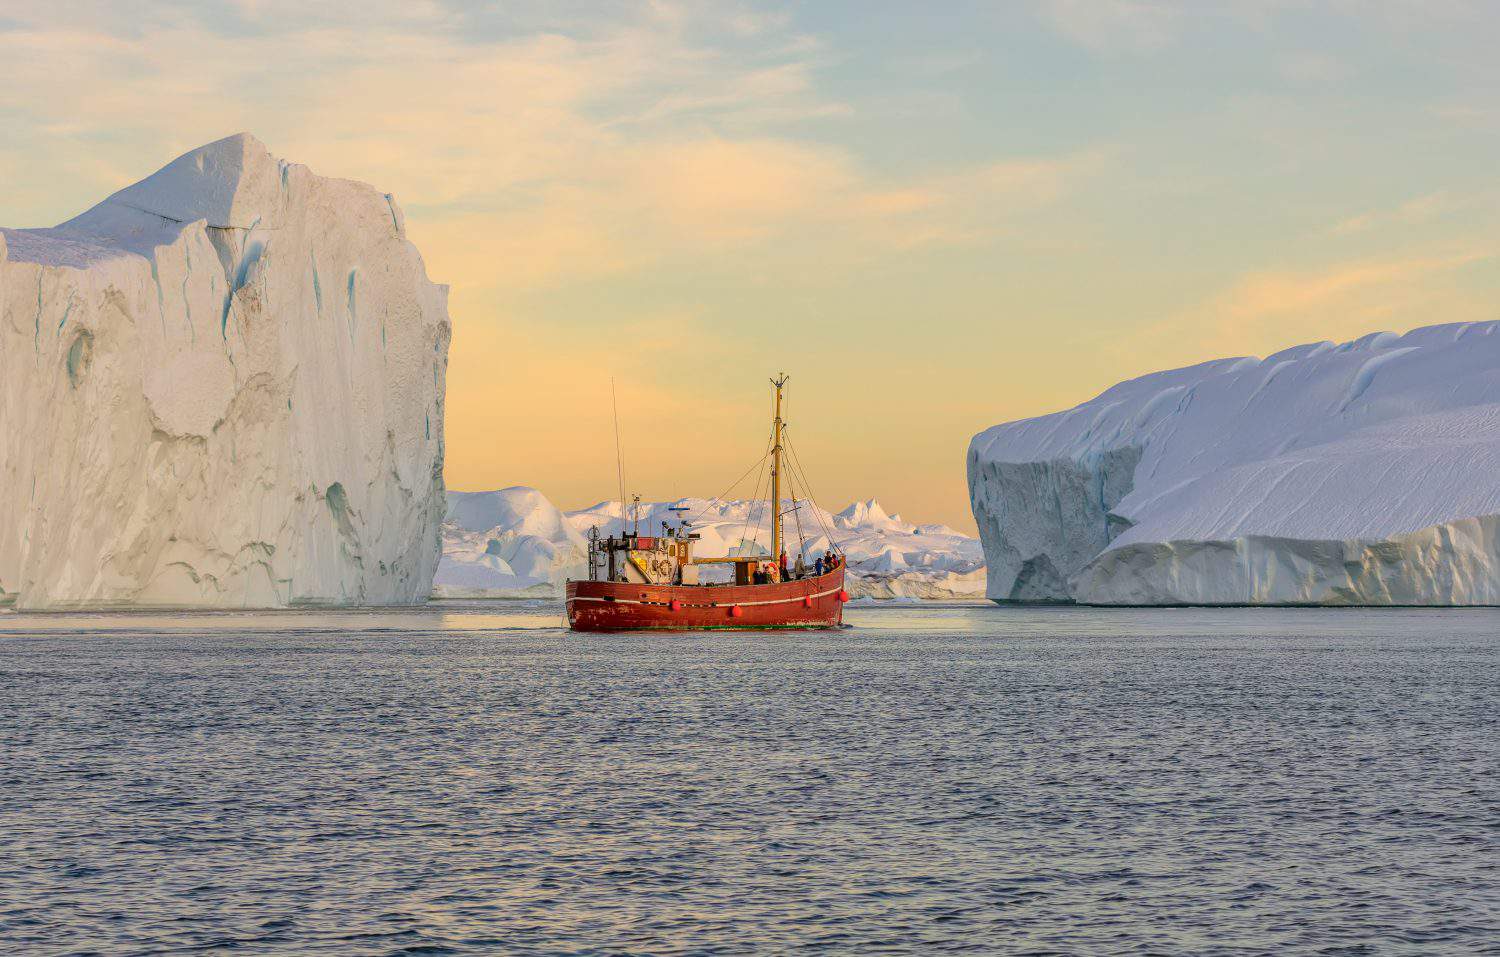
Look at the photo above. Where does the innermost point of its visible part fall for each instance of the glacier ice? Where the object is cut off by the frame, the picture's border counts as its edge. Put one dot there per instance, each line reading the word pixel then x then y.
pixel 189 417
pixel 516 543
pixel 1357 473
pixel 510 543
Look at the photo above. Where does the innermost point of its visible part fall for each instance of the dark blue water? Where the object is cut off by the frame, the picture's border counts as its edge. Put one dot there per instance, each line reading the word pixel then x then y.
pixel 935 779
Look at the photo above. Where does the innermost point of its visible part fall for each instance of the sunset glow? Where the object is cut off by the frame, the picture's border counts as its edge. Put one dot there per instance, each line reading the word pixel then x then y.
pixel 933 224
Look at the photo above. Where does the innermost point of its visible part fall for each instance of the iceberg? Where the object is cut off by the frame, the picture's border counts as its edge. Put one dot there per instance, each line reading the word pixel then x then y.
pixel 514 543
pixel 1360 473
pixel 872 515
pixel 222 387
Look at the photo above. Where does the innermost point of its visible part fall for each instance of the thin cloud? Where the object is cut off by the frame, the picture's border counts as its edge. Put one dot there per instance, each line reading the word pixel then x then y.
pixel 1418 209
pixel 1132 26
pixel 1267 310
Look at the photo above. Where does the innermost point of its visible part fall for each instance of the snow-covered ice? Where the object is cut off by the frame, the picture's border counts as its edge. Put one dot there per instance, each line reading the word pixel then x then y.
pixel 515 543
pixel 222 386
pixel 507 544
pixel 1358 473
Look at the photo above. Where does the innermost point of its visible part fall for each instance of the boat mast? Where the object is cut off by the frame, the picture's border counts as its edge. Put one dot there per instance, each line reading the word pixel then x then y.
pixel 776 472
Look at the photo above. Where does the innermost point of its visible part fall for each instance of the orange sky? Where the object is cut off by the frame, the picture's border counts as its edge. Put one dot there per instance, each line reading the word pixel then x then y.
pixel 933 223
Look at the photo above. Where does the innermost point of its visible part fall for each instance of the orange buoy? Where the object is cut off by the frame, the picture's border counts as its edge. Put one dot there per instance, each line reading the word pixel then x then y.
pixel 735 611
pixel 675 605
pixel 843 595
pixel 806 601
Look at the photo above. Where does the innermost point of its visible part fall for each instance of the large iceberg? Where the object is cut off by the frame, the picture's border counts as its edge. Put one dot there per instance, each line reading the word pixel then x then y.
pixel 515 543
pixel 1365 473
pixel 223 387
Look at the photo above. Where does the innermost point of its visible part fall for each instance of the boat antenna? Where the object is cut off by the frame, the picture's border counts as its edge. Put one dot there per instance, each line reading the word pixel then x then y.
pixel 619 460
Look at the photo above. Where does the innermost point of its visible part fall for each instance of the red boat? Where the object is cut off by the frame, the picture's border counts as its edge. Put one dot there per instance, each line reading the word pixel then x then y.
pixel 814 602
pixel 650 583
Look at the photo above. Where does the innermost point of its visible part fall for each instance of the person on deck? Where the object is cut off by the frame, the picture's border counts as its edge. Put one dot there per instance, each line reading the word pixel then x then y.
pixel 818 566
pixel 784 575
pixel 800 570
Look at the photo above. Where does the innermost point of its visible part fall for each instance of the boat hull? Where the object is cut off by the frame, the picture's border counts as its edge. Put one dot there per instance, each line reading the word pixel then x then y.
pixel 816 602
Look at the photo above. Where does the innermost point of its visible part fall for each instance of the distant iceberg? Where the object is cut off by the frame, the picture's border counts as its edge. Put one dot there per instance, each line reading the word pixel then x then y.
pixel 511 543
pixel 516 543
pixel 1363 473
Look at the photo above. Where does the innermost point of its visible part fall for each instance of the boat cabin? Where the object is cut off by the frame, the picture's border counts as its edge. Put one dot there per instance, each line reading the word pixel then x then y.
pixel 665 559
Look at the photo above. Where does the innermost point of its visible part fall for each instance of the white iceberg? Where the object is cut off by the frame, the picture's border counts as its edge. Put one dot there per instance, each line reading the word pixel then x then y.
pixel 507 544
pixel 1359 473
pixel 222 387
pixel 870 514
pixel 520 521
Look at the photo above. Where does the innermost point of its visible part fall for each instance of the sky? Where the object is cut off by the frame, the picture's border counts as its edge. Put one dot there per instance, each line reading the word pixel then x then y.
pixel 933 217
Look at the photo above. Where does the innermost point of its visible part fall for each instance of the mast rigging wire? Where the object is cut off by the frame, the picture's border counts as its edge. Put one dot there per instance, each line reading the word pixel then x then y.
pixel 797 513
pixel 719 499
pixel 619 459
pixel 796 462
pixel 752 514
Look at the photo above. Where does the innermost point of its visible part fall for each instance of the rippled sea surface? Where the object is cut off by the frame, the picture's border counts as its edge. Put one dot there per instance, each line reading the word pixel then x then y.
pixel 472 778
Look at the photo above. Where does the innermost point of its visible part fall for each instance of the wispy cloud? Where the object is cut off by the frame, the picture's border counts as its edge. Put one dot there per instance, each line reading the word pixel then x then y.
pixel 1133 26
pixel 1367 288
pixel 1468 116
pixel 1418 209
pixel 1266 310
pixel 960 185
pixel 1309 68
pixel 634 141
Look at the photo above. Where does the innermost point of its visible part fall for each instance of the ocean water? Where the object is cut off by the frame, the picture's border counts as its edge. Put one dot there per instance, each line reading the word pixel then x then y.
pixel 470 778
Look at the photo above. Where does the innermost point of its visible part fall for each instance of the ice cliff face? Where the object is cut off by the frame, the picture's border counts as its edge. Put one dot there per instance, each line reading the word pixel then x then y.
pixel 1360 473
pixel 515 543
pixel 222 386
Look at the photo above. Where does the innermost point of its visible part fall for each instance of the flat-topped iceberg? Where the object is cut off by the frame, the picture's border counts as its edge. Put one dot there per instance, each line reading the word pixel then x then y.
pixel 222 387
pixel 515 543
pixel 1358 473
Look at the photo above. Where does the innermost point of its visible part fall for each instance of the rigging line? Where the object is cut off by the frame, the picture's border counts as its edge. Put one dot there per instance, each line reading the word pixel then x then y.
pixel 754 497
pixel 817 514
pixel 796 467
pixel 796 508
pixel 758 507
pixel 797 514
pixel 750 511
pixel 761 509
pixel 797 464
pixel 719 499
pixel 619 459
